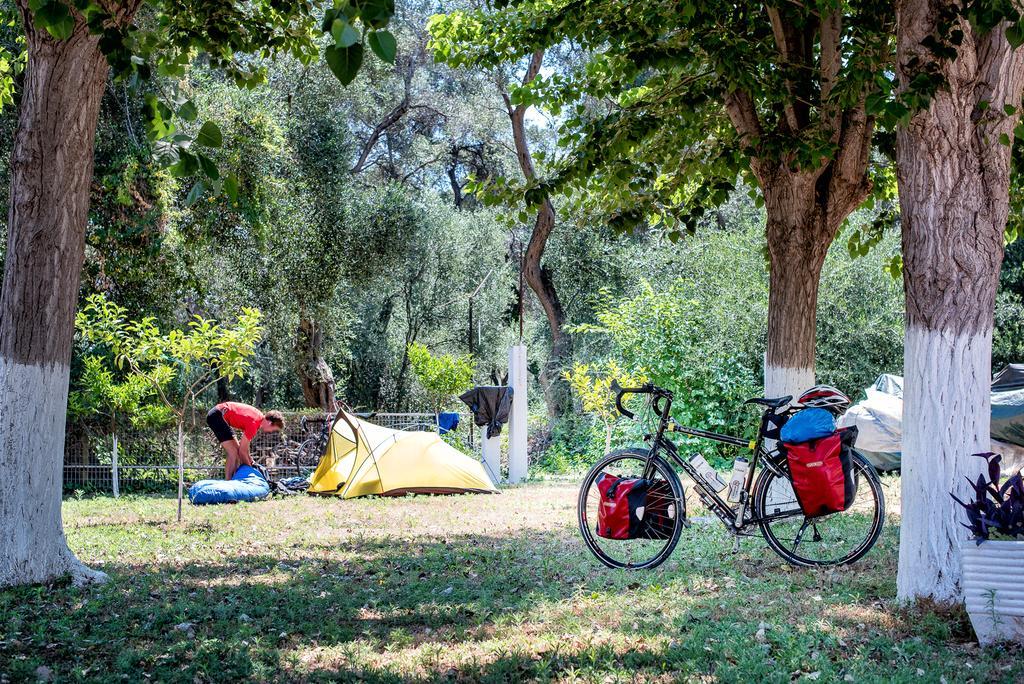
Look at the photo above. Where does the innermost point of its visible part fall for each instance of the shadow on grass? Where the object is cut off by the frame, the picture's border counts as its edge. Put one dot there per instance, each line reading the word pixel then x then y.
pixel 520 606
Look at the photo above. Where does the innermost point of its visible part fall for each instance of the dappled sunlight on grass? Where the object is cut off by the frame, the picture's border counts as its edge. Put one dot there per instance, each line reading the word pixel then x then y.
pixel 460 588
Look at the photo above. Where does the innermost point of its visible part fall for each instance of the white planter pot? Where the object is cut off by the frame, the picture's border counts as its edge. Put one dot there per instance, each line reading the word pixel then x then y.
pixel 993 585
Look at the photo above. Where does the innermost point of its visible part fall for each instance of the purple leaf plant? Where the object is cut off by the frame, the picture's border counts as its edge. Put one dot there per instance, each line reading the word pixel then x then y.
pixel 996 511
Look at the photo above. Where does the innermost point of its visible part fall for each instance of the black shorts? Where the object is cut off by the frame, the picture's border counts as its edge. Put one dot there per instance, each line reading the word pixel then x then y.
pixel 220 427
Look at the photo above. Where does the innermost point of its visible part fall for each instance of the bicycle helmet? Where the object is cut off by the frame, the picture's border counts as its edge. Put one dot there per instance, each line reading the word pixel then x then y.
pixel 824 396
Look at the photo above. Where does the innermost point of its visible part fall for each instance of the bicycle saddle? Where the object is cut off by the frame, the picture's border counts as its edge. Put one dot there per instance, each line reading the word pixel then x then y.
pixel 771 403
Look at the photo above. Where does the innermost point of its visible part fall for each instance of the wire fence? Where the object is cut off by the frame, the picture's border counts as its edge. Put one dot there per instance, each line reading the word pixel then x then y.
pixel 146 461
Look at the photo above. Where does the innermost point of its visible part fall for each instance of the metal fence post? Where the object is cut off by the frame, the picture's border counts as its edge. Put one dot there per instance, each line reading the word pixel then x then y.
pixel 114 483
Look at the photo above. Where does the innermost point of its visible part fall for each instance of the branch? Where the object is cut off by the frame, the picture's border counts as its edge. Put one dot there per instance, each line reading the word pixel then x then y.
pixel 518 114
pixel 424 165
pixel 389 120
pixel 794 49
pixel 831 56
pixel 740 107
pixel 849 184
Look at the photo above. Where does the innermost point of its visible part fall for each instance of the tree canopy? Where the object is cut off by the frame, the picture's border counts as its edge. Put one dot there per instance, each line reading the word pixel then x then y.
pixel 668 105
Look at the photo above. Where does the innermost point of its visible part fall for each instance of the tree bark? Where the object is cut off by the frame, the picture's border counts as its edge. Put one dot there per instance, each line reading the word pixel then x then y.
pixel 51 169
pixel 953 175
pixel 796 256
pixel 556 391
pixel 804 210
pixel 315 375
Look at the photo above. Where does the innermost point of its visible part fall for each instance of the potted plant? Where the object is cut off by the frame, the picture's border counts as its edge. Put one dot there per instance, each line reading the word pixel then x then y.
pixel 993 578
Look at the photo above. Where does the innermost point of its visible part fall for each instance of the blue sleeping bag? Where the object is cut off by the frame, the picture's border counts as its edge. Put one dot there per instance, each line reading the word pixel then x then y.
pixel 246 485
pixel 808 424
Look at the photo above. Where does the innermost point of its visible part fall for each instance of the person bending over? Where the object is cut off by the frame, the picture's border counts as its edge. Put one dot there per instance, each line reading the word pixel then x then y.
pixel 249 420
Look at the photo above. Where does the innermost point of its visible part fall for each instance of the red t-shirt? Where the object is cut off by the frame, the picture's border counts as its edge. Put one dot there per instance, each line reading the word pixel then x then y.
pixel 241 417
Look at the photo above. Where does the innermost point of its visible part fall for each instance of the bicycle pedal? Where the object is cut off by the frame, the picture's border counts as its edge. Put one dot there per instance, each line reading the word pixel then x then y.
pixel 736 545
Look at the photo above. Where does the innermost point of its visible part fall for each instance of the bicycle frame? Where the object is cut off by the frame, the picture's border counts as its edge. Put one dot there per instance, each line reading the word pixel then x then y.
pixel 735 519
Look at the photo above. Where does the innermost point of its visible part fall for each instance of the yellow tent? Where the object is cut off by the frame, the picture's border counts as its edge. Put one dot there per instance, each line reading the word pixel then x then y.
pixel 363 458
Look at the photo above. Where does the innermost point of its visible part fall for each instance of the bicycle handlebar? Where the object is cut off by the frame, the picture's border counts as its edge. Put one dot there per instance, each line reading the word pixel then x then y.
pixel 620 392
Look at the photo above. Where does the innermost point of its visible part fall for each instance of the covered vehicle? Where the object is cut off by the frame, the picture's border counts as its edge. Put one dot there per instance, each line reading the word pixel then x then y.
pixel 879 418
pixel 363 459
pixel 1008 405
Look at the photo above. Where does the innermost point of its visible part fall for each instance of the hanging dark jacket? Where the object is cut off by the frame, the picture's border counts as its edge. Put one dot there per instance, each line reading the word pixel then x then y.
pixel 490 407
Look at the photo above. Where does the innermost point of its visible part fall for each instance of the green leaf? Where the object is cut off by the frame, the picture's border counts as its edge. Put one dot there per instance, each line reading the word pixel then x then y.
pixel 384 45
pixel 344 33
pixel 1004 139
pixel 195 193
pixel 375 13
pixel 1014 35
pixel 188 111
pixel 209 167
pixel 344 63
pixel 55 17
pixel 231 187
pixel 209 135
pixel 187 164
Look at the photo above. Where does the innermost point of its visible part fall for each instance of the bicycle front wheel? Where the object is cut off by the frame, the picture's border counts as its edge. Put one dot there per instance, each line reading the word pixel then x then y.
pixel 834 539
pixel 633 553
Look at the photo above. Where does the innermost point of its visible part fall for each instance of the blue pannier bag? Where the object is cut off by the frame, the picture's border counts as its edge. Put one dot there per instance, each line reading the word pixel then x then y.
pixel 811 423
pixel 246 485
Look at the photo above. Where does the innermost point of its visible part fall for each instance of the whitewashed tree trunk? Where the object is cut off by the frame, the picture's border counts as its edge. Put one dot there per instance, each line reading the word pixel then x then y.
pixel 945 419
pixel 804 204
pixel 32 544
pixel 780 381
pixel 953 175
pixel 51 169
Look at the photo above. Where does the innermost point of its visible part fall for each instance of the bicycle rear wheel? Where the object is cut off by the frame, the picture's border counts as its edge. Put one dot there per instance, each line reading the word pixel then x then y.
pixel 834 539
pixel 631 553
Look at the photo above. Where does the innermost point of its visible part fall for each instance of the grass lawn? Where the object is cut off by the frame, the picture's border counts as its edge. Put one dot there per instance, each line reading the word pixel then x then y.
pixel 488 588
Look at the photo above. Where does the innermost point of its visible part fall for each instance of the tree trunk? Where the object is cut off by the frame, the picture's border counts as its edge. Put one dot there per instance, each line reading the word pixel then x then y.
pixel 807 204
pixel 953 178
pixel 315 375
pixel 556 391
pixel 798 231
pixel 223 390
pixel 51 169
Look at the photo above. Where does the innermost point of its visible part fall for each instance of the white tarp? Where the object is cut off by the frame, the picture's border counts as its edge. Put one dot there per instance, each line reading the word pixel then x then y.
pixel 879 421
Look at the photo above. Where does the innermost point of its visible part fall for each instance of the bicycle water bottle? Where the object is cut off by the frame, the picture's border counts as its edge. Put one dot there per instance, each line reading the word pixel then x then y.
pixel 708 475
pixel 739 475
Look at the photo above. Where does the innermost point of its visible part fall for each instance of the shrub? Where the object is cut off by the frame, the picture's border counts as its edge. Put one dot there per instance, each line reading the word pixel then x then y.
pixel 591 385
pixel 442 376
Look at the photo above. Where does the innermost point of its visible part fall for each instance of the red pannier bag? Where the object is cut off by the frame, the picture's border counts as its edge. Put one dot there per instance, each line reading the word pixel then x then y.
pixel 634 508
pixel 822 472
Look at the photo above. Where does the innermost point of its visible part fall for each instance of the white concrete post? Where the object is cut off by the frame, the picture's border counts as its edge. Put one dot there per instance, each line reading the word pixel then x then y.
pixel 517 460
pixel 114 483
pixel 491 448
